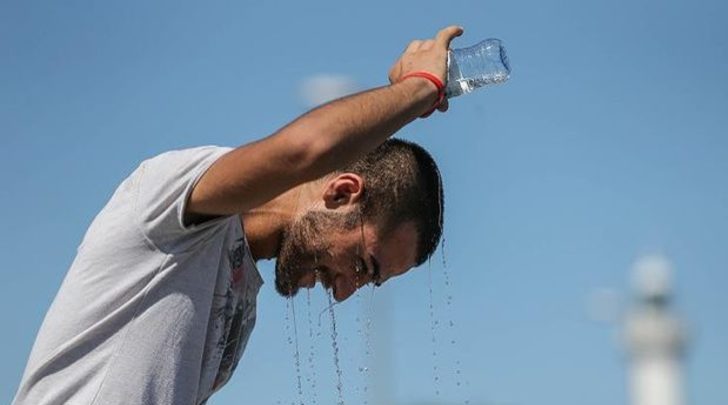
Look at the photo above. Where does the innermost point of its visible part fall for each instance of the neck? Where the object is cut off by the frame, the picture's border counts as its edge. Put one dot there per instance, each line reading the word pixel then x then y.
pixel 264 225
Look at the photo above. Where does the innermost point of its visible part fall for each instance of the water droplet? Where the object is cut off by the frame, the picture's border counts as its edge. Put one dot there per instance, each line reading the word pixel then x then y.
pixel 335 346
pixel 433 326
pixel 311 350
pixel 296 355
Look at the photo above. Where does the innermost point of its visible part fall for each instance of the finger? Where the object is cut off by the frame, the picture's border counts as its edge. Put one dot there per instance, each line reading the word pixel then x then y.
pixel 446 35
pixel 414 45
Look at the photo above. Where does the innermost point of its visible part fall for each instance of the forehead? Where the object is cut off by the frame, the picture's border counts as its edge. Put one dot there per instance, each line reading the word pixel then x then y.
pixel 395 250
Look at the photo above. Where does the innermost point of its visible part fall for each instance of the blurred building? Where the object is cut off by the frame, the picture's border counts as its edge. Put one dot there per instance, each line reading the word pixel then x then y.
pixel 655 338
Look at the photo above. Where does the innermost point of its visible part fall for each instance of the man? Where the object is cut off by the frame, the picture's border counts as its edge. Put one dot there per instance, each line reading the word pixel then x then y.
pixel 159 303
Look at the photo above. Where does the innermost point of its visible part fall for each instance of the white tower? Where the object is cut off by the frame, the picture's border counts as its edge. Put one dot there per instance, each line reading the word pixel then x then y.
pixel 655 337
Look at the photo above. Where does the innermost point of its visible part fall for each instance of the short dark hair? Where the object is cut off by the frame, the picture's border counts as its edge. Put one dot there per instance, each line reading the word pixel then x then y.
pixel 402 184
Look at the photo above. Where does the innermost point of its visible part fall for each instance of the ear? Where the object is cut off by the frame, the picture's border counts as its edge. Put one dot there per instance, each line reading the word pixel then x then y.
pixel 343 190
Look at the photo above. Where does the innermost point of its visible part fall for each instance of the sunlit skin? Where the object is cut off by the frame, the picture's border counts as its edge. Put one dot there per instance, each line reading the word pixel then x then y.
pixel 278 181
pixel 354 260
pixel 339 258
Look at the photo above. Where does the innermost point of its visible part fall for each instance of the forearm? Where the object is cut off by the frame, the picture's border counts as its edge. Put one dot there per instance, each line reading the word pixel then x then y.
pixel 315 144
pixel 340 132
pixel 326 138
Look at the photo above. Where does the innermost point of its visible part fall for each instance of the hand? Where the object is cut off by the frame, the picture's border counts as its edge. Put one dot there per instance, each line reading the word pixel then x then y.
pixel 426 55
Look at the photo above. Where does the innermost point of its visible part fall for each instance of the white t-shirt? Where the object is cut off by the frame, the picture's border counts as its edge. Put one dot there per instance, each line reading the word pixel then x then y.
pixel 151 311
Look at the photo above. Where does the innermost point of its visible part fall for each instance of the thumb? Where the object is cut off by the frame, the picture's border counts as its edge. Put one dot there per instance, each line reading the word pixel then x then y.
pixel 446 35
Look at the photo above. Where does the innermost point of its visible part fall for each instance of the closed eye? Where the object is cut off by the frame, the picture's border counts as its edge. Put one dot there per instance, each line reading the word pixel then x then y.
pixel 360 267
pixel 372 272
pixel 376 271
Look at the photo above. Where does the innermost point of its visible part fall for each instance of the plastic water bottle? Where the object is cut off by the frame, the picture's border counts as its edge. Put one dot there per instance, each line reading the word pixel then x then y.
pixel 480 65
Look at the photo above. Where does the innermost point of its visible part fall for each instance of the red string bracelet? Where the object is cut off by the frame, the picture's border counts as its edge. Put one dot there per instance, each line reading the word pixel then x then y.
pixel 434 80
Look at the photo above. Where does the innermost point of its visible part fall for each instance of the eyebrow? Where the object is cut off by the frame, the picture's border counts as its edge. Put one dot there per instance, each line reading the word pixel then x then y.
pixel 376 271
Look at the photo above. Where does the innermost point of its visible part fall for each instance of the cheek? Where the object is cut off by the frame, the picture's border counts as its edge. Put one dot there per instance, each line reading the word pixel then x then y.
pixel 300 252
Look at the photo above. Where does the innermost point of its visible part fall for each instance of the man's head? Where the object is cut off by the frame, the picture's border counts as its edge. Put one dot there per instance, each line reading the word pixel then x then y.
pixel 381 216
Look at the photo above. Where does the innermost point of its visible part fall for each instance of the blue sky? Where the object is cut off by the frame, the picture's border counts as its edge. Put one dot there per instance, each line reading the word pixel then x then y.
pixel 609 142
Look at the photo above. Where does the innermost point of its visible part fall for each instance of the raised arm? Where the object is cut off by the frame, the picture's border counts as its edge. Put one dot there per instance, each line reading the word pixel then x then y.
pixel 325 138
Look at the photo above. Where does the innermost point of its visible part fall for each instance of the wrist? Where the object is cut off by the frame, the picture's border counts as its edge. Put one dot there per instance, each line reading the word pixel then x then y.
pixel 429 86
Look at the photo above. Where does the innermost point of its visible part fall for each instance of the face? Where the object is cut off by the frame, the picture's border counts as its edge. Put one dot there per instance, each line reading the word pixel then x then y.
pixel 342 253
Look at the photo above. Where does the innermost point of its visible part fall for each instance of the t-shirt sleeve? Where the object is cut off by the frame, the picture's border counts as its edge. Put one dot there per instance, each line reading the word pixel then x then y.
pixel 164 184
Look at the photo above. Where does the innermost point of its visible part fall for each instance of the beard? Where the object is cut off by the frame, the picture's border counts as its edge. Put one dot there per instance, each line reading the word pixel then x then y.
pixel 303 243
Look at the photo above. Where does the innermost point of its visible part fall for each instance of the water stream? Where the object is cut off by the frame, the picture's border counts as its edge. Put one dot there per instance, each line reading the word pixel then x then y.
pixel 434 323
pixel 311 378
pixel 335 346
pixel 452 332
pixel 293 341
